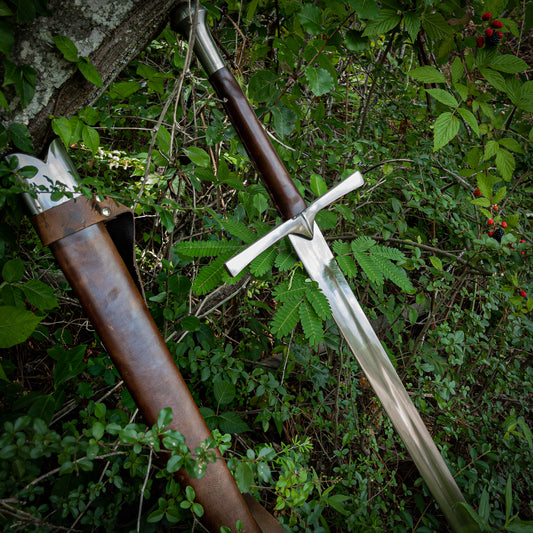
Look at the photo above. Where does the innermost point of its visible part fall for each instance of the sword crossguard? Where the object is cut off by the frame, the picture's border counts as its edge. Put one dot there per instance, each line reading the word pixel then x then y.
pixel 302 224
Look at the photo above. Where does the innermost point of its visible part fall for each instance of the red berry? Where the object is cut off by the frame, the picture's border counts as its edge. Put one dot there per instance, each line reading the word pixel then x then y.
pixel 496 24
pixel 480 42
pixel 489 32
pixel 500 34
pixel 490 222
pixel 486 16
pixel 522 240
pixel 491 233
pixel 504 224
pixel 523 294
pixel 477 192
pixel 495 208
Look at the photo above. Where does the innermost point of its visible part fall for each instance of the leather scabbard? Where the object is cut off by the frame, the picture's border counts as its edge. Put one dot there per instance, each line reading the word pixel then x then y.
pixel 104 285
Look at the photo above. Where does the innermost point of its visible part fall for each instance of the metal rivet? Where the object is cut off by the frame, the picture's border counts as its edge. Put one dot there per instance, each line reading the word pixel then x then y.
pixel 106 211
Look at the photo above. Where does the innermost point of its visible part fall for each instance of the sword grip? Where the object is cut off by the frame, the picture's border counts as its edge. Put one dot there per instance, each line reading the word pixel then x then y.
pixel 108 294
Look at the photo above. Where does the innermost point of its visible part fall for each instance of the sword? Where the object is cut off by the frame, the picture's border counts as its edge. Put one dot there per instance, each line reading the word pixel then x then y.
pixel 313 251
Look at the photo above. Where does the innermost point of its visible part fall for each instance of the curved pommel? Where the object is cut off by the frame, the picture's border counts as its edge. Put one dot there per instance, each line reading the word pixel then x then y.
pixel 184 18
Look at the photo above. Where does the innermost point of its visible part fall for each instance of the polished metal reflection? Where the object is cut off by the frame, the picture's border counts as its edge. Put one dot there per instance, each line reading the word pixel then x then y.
pixel 181 20
pixel 57 172
pixel 301 224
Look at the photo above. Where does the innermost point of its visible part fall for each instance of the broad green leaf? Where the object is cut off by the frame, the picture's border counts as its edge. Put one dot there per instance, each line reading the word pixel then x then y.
pixel 469 118
pixel 444 97
pixel 224 392
pixel 457 69
pixel 13 270
pixel 511 144
pixel 124 89
pixel 16 325
pixel 491 149
pixel 446 128
pixel 355 41
pixel 262 86
pixel 244 477
pixel 412 24
pixel 62 127
pixel 20 137
pixel 318 185
pixel 520 526
pixel 387 20
pixel 499 195
pixel 509 64
pixel 66 47
pixel 91 138
pixel 309 17
pixel 525 99
pixel 69 363
pixel 320 80
pixel 365 9
pixel 230 422
pixel 284 120
pixel 89 71
pixel 484 506
pixel 505 163
pixel 494 78
pixel 163 140
pixel 481 202
pixel 7 37
pixel 436 262
pixel 198 156
pixel 436 27
pixel 427 74
pixel 39 294
pixel 485 183
pixel 3 375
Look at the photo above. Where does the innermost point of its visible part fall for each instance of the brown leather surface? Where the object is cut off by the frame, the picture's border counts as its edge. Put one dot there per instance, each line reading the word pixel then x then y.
pixel 74 215
pixel 258 146
pixel 112 302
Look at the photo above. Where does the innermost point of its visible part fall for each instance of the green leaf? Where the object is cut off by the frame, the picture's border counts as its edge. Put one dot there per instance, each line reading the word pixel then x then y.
pixel 511 144
pixel 7 37
pixel 311 323
pixel 499 195
pixel 494 78
pixel 284 120
pixel 484 506
pixel 446 128
pixel 320 80
pixel 481 202
pixel 198 156
pixel 40 294
pixel 16 325
pixel 309 18
pixel 264 262
pixel 286 317
pixel 163 140
pixel 470 119
pixel 520 526
pixel 365 9
pixel 69 363
pixel 89 72
pixel 244 477
pixel 394 273
pixel 211 275
pixel 164 417
pixel 387 20
pixel 124 89
pixel 230 422
pixel 90 137
pixel 505 163
pixel 436 27
pixel 319 302
pixel 20 137
pixel 207 248
pixel 509 64
pixel 224 392
pixel 491 149
pixel 427 74
pixel 444 97
pixel 508 498
pixel 63 128
pixel 318 185
pixel 355 41
pixel 525 100
pixel 66 47
pixel 412 24
pixel 13 270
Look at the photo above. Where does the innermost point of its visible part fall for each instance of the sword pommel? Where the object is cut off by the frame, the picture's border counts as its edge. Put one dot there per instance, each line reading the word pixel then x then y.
pixel 302 224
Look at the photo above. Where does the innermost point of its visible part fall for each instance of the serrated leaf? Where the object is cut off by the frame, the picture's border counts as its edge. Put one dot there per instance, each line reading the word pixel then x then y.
pixel 286 317
pixel 231 422
pixel 491 149
pixel 509 64
pixel 69 363
pixel 494 78
pixel 457 70
pixel 481 202
pixel 319 79
pixel 309 17
pixel 525 100
pixel 13 270
pixel 444 97
pixel 511 144
pixel 387 20
pixel 499 195
pixel 66 47
pixel 365 9
pixel 427 74
pixel 436 27
pixel 16 325
pixel 39 294
pixel 470 119
pixel 485 183
pixel 505 163
pixel 412 24
pixel 446 128
pixel 311 323
pixel 284 120
pixel 224 392
pixel 89 72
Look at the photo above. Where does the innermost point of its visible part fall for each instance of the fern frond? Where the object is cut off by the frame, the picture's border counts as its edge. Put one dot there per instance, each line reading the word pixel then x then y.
pixel 211 276
pixel 235 228
pixel 370 267
pixel 207 248
pixel 311 323
pixel 394 273
pixel 263 262
pixel 285 260
pixel 294 287
pixel 286 317
pixel 319 302
pixel 341 248
pixel 389 253
pixel 362 244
